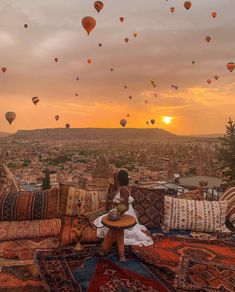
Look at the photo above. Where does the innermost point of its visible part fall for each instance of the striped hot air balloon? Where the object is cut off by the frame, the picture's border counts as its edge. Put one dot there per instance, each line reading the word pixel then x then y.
pixel 10 117
pixel 230 66
pixel 35 100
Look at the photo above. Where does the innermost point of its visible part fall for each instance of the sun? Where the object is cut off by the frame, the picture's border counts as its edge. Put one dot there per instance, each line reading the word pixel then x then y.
pixel 167 120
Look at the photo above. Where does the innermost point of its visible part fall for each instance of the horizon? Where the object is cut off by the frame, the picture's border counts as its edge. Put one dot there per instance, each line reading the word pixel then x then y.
pixel 163 52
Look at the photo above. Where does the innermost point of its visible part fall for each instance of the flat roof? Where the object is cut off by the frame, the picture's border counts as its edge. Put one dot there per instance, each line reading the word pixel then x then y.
pixel 193 181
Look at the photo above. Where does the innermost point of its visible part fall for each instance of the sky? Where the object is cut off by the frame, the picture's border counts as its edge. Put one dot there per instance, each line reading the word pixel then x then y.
pixel 166 45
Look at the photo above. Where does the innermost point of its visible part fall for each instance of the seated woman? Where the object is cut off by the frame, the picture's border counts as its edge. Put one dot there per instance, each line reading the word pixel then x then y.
pixel 137 235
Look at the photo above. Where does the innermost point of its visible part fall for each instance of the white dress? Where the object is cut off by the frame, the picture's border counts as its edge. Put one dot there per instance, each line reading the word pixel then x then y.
pixel 132 236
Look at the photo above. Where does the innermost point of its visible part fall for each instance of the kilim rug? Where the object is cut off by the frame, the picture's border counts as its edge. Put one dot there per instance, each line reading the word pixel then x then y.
pixel 65 270
pixel 197 274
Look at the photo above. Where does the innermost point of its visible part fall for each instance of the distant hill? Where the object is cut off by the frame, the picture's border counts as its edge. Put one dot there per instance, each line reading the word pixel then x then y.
pixel 4 134
pixel 208 135
pixel 121 134
pixel 93 134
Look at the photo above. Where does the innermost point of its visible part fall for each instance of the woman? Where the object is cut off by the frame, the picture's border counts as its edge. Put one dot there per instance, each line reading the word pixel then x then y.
pixel 136 235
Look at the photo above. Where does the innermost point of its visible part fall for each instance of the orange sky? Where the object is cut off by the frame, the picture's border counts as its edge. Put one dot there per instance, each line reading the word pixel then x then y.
pixel 164 50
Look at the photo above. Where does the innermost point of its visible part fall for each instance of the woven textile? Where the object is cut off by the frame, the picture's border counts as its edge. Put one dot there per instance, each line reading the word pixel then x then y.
pixel 10 230
pixel 69 231
pixel 18 206
pixel 198 274
pixel 229 196
pixel 90 200
pixel 92 216
pixel 195 215
pixel 167 251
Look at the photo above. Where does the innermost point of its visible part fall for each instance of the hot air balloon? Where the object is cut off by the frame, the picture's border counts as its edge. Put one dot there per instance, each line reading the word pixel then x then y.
pixel 35 100
pixel 216 76
pixel 128 115
pixel 172 9
pixel 111 69
pixel 152 121
pixel 126 40
pixel 146 101
pixel 67 125
pixel 208 38
pixel 123 122
pixel 56 60
pixel 135 34
pixel 88 23
pixel 77 78
pixel 147 123
pixel 4 69
pixel 130 97
pixel 25 25
pixel 76 94
pixel 57 117
pixel 89 61
pixel 153 82
pixel 98 5
pixel 10 116
pixel 125 86
pixel 187 5
pixel 209 81
pixel 230 66
pixel 155 95
pixel 121 18
pixel 214 14
pixel 193 62
pixel 100 45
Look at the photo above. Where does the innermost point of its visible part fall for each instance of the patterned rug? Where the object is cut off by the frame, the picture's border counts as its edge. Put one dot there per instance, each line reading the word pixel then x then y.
pixel 166 253
pixel 65 270
pixel 19 276
pixel 196 274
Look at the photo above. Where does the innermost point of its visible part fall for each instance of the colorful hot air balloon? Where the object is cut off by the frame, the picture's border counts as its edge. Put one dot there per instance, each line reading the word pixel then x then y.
pixel 187 5
pixel 35 100
pixel 88 23
pixel 57 117
pixel 126 40
pixel 130 97
pixel 25 25
pixel 135 34
pixel 208 38
pixel 209 81
pixel 98 5
pixel 216 76
pixel 4 69
pixel 121 18
pixel 152 121
pixel 172 9
pixel 10 116
pixel 214 14
pixel 56 60
pixel 230 66
pixel 67 125
pixel 89 61
pixel 123 122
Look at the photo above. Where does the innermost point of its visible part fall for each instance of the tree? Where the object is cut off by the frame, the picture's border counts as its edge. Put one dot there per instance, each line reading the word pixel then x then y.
pixel 226 151
pixel 46 181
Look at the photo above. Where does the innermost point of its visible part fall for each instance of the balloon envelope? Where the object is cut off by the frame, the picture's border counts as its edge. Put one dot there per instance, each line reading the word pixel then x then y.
pixel 230 66
pixel 57 117
pixel 99 5
pixel 35 100
pixel 214 14
pixel 122 18
pixel 152 121
pixel 88 23
pixel 56 59
pixel 123 122
pixel 89 61
pixel 10 116
pixel 187 4
pixel 172 9
pixel 25 25
pixel 4 69
pixel 208 38
pixel 67 125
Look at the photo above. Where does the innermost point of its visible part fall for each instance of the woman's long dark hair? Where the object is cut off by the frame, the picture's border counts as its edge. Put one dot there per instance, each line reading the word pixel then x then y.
pixel 123 178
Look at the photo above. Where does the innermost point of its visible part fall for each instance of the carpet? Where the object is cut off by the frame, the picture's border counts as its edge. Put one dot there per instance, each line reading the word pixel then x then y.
pixel 19 277
pixel 65 270
pixel 167 251
pixel 197 274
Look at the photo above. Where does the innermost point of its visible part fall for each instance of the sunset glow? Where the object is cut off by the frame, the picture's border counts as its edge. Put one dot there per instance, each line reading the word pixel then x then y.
pixel 167 120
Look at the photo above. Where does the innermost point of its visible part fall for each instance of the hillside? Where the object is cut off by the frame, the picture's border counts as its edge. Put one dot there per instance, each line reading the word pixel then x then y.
pixel 94 134
pixel 4 134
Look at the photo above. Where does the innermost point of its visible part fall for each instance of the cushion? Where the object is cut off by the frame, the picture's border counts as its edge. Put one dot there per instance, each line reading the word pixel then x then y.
pixel 69 231
pixel 16 206
pixel 149 206
pixel 70 196
pixel 192 195
pixel 206 216
pixel 10 230
pixel 92 216
pixel 7 180
pixel 229 196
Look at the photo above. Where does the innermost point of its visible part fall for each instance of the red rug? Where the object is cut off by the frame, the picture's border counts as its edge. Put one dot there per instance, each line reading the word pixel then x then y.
pixel 168 251
pixel 109 277
pixel 197 274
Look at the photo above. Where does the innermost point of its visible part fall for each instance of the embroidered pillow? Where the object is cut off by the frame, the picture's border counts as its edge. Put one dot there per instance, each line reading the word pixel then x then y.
pixel 229 196
pixel 206 216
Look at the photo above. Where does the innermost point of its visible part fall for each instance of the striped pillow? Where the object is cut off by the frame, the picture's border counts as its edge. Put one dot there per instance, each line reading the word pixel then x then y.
pixel 229 196
pixel 205 216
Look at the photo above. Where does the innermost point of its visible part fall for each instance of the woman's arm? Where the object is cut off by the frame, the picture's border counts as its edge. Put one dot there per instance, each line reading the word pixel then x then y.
pixel 124 195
